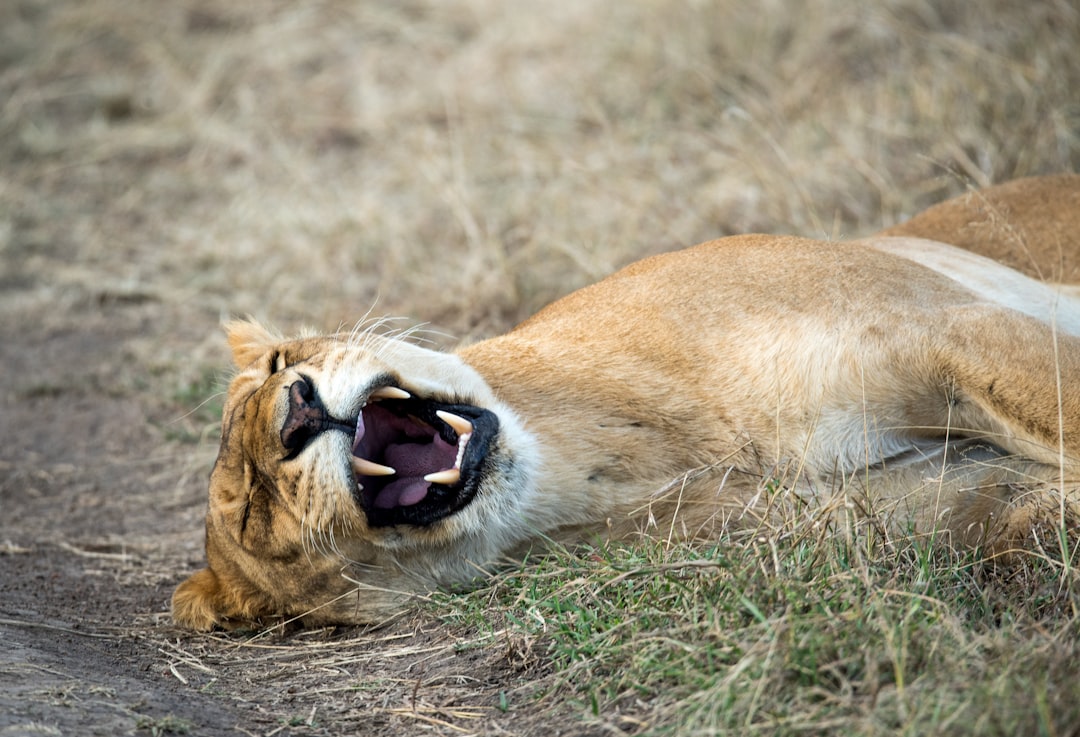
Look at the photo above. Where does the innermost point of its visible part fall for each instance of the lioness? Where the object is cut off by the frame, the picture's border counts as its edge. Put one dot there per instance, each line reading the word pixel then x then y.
pixel 921 382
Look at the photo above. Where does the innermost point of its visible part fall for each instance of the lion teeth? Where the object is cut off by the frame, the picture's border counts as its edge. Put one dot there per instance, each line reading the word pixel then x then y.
pixel 449 476
pixel 460 425
pixel 388 392
pixel 463 440
pixel 364 467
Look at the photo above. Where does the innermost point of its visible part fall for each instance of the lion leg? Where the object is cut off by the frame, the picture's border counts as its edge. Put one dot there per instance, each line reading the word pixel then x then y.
pixel 1013 379
pixel 1013 383
pixel 967 493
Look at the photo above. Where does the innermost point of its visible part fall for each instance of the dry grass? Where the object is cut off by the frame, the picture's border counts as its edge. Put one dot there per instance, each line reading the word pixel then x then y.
pixel 463 163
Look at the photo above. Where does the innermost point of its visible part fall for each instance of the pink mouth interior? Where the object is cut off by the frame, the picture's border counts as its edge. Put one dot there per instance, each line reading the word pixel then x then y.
pixel 406 444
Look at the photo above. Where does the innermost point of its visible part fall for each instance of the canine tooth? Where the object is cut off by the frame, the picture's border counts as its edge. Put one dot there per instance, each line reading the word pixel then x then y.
pixel 449 476
pixel 389 392
pixel 460 424
pixel 370 468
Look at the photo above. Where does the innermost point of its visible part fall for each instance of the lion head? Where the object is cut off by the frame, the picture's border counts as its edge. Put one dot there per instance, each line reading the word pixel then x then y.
pixel 354 471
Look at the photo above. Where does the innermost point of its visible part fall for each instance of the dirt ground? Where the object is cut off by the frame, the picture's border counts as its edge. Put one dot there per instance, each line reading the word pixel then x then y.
pixel 163 166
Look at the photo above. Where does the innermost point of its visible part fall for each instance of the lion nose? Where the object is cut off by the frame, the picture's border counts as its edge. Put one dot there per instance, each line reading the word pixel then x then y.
pixel 307 417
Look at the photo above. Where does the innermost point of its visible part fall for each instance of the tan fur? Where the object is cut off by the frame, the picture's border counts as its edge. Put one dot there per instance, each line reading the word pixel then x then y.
pixel 1030 225
pixel 924 383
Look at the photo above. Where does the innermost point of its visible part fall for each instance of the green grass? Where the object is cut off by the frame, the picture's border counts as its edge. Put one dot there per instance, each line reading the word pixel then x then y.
pixel 785 635
pixel 168 724
pixel 198 401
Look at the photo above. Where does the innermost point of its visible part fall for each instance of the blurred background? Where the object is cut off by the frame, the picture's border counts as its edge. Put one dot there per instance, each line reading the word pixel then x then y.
pixel 463 163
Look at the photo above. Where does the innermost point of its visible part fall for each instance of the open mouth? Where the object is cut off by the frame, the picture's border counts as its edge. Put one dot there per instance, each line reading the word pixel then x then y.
pixel 417 461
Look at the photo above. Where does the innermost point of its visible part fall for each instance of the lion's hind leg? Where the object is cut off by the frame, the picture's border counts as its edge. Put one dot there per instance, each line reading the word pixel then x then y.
pixel 1013 380
pixel 969 493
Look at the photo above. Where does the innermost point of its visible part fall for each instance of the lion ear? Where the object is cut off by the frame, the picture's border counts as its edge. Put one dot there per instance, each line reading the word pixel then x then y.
pixel 248 340
pixel 197 602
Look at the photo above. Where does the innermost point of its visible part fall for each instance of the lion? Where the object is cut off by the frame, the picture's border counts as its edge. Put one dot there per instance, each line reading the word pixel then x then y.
pixel 911 373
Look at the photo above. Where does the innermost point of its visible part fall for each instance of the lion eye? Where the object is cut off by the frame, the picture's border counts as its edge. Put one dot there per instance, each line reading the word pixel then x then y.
pixel 277 362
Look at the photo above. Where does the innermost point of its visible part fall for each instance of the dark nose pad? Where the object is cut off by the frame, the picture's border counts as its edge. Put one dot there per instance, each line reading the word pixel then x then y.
pixel 307 417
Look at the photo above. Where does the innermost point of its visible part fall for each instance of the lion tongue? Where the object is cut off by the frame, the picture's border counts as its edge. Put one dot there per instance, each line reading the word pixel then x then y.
pixel 413 461
pixel 402 493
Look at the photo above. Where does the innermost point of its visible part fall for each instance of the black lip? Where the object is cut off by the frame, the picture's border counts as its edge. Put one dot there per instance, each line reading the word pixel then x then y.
pixel 441 500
